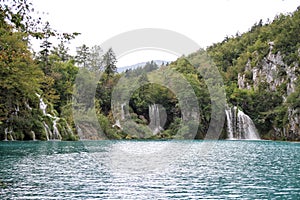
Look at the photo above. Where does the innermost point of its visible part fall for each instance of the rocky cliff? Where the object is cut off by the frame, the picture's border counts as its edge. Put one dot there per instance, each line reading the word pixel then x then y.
pixel 261 71
pixel 281 78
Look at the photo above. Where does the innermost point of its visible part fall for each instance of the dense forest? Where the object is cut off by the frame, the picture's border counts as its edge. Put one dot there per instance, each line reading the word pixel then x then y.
pixel 39 90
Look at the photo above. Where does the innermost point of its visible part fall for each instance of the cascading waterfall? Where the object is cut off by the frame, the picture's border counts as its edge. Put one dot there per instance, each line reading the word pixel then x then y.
pixel 230 126
pixel 240 125
pixel 49 135
pixel 11 136
pixel 17 109
pixel 33 135
pixel 43 106
pixel 123 111
pixel 123 116
pixel 56 133
pixel 155 120
pixel 117 124
pixel 28 106
pixel 5 134
pixel 247 126
pixel 47 130
pixel 9 131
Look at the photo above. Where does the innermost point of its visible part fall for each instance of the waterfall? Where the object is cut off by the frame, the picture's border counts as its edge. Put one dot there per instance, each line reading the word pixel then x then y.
pixel 240 125
pixel 247 126
pixel 47 130
pixel 11 136
pixel 56 134
pixel 27 105
pixel 155 120
pixel 49 134
pixel 117 124
pixel 229 123
pixel 5 132
pixel 122 116
pixel 33 136
pixel 123 111
pixel 43 106
pixel 17 109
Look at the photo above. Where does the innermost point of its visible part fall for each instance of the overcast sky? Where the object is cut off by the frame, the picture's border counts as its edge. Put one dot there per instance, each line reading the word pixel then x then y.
pixel 204 21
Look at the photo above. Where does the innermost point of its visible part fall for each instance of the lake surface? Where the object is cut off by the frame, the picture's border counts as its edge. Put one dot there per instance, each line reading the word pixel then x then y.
pixel 150 170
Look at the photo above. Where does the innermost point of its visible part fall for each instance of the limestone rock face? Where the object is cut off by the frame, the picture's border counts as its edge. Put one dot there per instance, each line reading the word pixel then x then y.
pixel 273 70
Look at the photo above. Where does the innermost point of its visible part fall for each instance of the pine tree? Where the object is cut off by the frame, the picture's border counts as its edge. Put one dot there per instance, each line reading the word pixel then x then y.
pixel 62 52
pixel 95 59
pixel 83 53
pixel 109 62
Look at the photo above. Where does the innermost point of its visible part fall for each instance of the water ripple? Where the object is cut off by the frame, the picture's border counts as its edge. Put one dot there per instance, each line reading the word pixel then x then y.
pixel 77 170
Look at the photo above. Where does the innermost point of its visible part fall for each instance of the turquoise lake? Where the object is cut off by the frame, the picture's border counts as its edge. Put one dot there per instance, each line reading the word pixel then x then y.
pixel 150 170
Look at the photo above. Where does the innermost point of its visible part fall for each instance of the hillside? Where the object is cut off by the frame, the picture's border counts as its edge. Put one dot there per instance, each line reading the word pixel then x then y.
pixel 51 95
pixel 261 72
pixel 260 69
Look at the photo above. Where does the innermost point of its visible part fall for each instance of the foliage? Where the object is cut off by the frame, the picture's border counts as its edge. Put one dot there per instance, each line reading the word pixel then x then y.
pixel 53 73
pixel 20 77
pixel 294 99
pixel 109 62
pixel 23 77
pixel 266 105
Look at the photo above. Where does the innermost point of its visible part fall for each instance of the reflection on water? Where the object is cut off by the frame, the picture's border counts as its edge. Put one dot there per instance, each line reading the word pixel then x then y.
pixel 156 170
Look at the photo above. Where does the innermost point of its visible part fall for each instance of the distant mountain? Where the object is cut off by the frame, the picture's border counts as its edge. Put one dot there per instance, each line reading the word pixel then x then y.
pixel 142 64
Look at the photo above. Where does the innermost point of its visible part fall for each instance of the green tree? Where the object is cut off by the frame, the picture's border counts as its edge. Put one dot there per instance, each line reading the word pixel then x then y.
pixel 109 62
pixel 20 77
pixel 61 51
pixel 46 46
pixel 82 55
pixel 95 59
